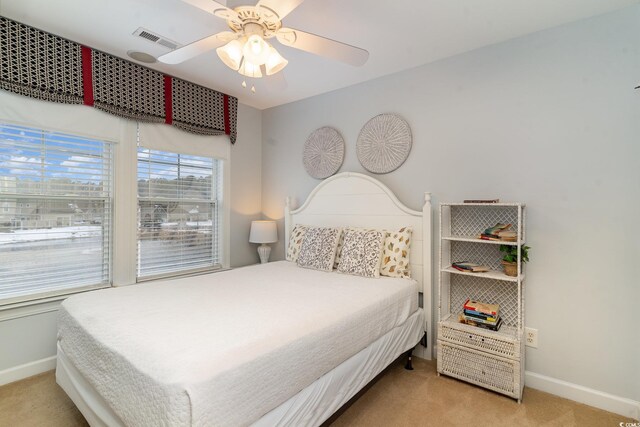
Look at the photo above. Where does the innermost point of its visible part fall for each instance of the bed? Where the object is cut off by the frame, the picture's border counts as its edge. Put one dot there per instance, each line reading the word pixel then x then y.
pixel 271 344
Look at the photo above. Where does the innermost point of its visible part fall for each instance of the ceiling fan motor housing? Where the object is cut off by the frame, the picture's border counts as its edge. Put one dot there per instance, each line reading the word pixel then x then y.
pixel 254 20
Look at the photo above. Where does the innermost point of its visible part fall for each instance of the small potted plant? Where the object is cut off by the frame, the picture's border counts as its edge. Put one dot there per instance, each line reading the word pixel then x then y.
pixel 510 259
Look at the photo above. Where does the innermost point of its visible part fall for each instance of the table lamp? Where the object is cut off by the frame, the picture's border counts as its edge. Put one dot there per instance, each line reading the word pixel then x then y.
pixel 263 232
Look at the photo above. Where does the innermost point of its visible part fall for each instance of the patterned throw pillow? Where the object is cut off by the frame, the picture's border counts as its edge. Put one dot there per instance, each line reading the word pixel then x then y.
pixel 395 256
pixel 318 250
pixel 295 242
pixel 339 251
pixel 361 252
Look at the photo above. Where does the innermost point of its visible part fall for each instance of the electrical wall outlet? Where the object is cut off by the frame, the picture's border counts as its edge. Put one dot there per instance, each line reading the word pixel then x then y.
pixel 531 337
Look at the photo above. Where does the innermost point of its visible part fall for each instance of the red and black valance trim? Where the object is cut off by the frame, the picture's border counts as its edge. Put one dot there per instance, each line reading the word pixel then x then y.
pixel 168 100
pixel 44 66
pixel 87 76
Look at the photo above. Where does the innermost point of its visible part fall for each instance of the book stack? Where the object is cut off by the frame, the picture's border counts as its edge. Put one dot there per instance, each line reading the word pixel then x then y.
pixel 499 232
pixel 480 314
pixel 469 267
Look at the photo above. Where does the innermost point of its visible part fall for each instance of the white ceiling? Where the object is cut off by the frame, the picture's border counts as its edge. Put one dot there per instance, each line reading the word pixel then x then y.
pixel 398 34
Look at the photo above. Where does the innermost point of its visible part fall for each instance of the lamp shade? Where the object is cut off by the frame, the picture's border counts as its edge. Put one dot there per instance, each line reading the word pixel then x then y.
pixel 256 50
pixel 275 62
pixel 263 232
pixel 250 69
pixel 231 54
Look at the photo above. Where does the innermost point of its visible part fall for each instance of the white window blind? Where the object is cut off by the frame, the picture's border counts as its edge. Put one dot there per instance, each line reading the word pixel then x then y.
pixel 178 218
pixel 55 212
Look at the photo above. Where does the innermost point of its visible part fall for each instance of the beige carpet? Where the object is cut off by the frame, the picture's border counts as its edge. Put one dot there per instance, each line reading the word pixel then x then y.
pixel 397 398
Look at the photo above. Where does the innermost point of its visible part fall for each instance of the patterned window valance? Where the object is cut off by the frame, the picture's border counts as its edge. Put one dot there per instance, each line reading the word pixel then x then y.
pixel 36 64
pixel 125 89
pixel 47 67
pixel 187 112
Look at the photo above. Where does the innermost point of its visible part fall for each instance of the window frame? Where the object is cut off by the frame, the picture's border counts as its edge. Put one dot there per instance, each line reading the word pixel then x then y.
pixel 53 295
pixel 124 134
pixel 217 193
pixel 168 138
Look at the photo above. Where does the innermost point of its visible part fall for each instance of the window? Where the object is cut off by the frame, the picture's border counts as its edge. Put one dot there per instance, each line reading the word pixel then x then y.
pixel 178 218
pixel 62 242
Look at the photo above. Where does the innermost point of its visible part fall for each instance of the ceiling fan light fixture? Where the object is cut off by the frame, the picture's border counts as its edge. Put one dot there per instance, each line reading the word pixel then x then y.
pixel 275 62
pixel 231 54
pixel 247 48
pixel 250 69
pixel 256 50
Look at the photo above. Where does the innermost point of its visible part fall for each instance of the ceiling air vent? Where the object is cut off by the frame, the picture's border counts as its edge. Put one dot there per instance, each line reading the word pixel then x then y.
pixel 155 38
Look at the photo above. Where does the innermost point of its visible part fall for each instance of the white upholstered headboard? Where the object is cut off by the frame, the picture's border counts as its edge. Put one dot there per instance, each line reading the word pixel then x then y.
pixel 354 199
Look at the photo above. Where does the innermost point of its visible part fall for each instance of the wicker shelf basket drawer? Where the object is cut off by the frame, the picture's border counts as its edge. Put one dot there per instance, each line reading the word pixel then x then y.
pixel 487 341
pixel 495 373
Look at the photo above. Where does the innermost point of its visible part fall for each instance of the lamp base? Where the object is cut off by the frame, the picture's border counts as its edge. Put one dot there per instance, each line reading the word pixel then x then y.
pixel 264 251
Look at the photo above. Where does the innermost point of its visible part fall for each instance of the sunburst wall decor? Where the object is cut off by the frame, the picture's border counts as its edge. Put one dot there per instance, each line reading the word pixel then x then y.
pixel 384 143
pixel 323 152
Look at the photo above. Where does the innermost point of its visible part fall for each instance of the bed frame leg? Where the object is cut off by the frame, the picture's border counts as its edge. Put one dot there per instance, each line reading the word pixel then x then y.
pixel 409 365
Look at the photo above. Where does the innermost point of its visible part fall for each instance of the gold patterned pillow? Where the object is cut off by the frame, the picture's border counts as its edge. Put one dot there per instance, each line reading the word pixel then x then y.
pixel 318 250
pixel 295 242
pixel 395 256
pixel 361 251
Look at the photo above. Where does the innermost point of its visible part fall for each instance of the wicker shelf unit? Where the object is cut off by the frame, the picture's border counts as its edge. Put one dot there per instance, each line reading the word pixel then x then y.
pixel 491 359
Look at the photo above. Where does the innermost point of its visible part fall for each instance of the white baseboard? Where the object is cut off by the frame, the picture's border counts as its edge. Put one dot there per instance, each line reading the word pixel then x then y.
pixel 27 370
pixel 421 352
pixel 609 402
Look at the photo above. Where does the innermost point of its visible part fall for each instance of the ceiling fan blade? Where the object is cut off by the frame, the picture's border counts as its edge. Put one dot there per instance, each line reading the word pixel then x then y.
pixel 281 8
pixel 322 46
pixel 218 9
pixel 196 48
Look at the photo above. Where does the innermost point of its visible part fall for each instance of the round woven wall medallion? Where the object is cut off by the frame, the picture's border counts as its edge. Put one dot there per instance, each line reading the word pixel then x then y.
pixel 384 143
pixel 323 152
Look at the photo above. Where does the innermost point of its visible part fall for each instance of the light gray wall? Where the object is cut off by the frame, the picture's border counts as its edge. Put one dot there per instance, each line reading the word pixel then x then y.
pixel 27 339
pixel 550 119
pixel 31 338
pixel 246 189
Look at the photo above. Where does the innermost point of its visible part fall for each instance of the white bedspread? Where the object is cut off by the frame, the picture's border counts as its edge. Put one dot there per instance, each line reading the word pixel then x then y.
pixel 225 348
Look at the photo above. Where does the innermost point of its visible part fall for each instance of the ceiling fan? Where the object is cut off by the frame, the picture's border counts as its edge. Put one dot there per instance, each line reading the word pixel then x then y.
pixel 245 48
